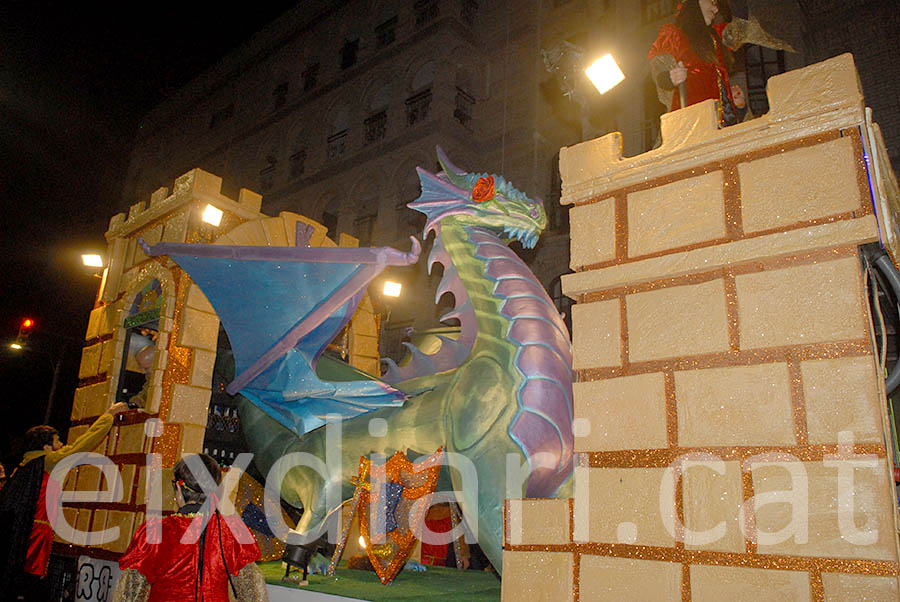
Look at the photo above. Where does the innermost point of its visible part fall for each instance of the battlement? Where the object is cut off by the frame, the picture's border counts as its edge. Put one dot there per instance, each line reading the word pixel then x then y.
pixel 823 97
pixel 195 185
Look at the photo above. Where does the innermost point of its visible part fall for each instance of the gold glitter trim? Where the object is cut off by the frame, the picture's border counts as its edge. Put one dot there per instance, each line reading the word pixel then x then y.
pixel 882 568
pixel 816 586
pixel 661 458
pixel 768 151
pixel 576 577
pixel 671 409
pixel 685 582
pixel 748 357
pixel 731 309
pixel 621 217
pixel 731 190
pixel 798 403
pixel 752 267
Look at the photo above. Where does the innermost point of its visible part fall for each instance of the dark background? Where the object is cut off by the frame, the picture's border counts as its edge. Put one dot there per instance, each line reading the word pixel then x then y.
pixel 75 78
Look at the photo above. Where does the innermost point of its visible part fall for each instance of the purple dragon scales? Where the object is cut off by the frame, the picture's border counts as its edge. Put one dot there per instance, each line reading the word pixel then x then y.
pixel 498 398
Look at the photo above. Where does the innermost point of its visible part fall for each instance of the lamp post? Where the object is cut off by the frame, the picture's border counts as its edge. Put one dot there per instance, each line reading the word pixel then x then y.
pixel 567 62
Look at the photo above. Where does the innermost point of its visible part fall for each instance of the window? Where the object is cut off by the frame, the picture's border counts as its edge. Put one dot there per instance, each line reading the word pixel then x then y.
pixel 364 229
pixel 221 116
pixel 425 11
pixel 348 53
pixel 267 173
pixel 654 10
pixel 386 33
pixel 329 220
pixel 467 11
pixel 310 77
pixel 337 144
pixel 279 94
pixel 298 163
pixel 417 106
pixel 464 105
pixel 375 127
pixel 762 63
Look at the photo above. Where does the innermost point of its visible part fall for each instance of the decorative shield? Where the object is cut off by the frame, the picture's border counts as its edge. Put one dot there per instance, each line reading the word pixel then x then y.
pixel 388 494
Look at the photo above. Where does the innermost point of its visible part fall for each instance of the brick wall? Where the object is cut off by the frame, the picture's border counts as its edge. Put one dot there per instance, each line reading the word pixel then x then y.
pixel 722 346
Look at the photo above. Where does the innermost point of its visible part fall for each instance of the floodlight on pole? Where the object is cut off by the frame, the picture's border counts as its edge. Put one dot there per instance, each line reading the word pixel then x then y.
pixel 604 73
pixel 392 289
pixel 92 260
pixel 17 346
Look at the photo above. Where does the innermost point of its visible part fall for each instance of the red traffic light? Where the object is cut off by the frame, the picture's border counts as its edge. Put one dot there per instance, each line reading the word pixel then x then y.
pixel 25 327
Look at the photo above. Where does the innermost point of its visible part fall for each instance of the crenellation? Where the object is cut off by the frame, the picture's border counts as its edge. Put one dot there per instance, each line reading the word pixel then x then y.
pixel 820 98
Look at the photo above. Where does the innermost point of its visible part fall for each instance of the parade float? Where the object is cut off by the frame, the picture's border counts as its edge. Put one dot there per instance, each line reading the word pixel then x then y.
pixel 722 344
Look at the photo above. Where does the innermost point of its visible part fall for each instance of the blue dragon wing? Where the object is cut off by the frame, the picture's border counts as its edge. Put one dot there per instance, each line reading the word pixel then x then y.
pixel 281 306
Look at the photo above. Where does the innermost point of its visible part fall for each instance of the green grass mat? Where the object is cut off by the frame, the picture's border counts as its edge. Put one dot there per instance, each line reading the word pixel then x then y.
pixel 437 583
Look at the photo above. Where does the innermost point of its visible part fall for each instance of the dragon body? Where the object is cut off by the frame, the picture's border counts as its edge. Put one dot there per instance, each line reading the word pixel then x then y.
pixel 499 395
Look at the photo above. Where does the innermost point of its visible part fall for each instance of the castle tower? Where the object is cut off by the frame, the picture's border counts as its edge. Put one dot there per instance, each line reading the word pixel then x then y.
pixel 730 415
pixel 150 303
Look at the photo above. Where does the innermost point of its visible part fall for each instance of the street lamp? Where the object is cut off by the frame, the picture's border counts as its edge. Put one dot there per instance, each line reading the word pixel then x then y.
pixel 566 61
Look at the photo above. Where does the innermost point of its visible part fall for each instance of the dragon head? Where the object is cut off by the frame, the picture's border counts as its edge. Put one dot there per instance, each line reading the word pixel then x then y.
pixel 483 200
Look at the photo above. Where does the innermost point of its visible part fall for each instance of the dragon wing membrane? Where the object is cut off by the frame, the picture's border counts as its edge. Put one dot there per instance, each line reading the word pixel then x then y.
pixel 281 306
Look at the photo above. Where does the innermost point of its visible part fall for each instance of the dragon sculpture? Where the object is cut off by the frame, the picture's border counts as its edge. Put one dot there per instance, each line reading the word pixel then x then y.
pixel 501 391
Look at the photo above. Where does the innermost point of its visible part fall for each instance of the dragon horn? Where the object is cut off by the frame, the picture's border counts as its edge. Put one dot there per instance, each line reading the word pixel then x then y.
pixel 455 174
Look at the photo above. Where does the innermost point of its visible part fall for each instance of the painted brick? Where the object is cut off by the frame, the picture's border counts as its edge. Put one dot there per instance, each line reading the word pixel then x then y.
pixel 199 329
pixel 275 234
pixel 841 395
pixel 711 499
pixel 799 185
pixel 107 356
pixel 596 335
pixel 131 439
pixel 176 227
pixel 841 588
pixel 192 439
pixel 538 521
pixel 75 432
pixel 202 368
pixel 623 413
pixel 678 214
pixel 90 361
pixel 677 321
pixel 365 346
pixel 125 522
pixel 92 400
pixel 537 576
pixel 607 489
pixel 190 405
pixel 127 473
pixel 608 579
pixel 197 300
pixel 740 405
pixel 593 230
pixel 870 487
pixel 800 305
pixel 710 583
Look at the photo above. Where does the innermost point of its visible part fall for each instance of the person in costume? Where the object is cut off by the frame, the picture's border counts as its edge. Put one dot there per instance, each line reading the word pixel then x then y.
pixel 25 499
pixel 690 51
pixel 695 52
pixel 197 555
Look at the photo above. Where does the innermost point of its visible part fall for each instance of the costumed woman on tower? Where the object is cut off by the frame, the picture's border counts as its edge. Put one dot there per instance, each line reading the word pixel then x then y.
pixel 695 51
pixel 195 554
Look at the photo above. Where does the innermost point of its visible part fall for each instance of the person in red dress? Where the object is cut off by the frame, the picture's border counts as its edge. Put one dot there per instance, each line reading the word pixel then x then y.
pixel 192 560
pixel 690 51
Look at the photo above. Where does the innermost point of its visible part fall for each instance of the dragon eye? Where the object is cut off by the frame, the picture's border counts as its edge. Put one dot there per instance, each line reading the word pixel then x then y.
pixel 534 213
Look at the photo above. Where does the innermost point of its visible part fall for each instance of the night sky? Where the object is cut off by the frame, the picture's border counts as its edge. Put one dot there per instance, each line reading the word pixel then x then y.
pixel 75 79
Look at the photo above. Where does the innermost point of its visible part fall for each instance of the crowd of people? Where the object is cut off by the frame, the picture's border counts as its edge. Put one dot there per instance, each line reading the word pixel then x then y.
pixel 194 554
